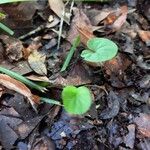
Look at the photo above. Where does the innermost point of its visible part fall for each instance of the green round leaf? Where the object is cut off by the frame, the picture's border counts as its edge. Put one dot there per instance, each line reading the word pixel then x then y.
pixel 100 50
pixel 76 100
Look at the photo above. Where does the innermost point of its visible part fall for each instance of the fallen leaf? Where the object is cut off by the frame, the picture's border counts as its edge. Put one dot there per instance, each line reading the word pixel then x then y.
pixel 26 127
pixel 121 19
pixel 104 13
pixel 117 65
pixel 129 139
pixel 1 91
pixel 59 7
pixel 113 106
pixel 35 45
pixel 60 81
pixel 9 119
pixel 43 143
pixel 19 16
pixel 80 25
pixel 110 19
pixel 85 34
pixel 37 62
pixel 21 67
pixel 145 36
pixel 14 48
pixel 17 86
pixel 143 126
pixel 38 78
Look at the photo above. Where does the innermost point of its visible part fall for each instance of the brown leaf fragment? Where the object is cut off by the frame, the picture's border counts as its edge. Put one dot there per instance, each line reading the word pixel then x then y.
pixel 26 127
pixel 38 78
pixel 80 25
pixel 110 19
pixel 17 86
pixel 117 65
pixel 35 45
pixel 143 125
pixel 60 81
pixel 14 48
pixel 37 62
pixel 8 121
pixel 101 16
pixel 113 106
pixel 19 16
pixel 145 36
pixel 43 143
pixel 129 139
pixel 85 34
pixel 21 67
pixel 59 7
pixel 121 19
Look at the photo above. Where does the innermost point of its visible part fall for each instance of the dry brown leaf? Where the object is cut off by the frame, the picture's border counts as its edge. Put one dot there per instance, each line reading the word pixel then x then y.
pixel 76 80
pixel 37 62
pixel 58 7
pixel 80 25
pixel 38 78
pixel 117 65
pixel 143 125
pixel 1 91
pixel 17 86
pixel 121 19
pixel 32 47
pixel 110 19
pixel 20 15
pixel 85 34
pixel 14 48
pixel 101 16
pixel 145 36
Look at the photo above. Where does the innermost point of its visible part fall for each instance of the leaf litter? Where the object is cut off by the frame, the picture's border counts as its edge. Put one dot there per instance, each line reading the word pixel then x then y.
pixel 119 117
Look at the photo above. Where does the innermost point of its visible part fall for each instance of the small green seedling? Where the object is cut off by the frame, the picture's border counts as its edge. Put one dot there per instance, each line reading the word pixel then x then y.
pixel 99 50
pixel 76 100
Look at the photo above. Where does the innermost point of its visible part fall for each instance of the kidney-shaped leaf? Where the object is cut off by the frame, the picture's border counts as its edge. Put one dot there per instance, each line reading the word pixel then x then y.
pixel 76 100
pixel 100 50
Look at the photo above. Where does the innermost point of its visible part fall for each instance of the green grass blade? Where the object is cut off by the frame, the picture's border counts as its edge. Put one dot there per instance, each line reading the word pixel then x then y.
pixel 12 1
pixel 50 101
pixel 70 54
pixel 6 29
pixel 22 79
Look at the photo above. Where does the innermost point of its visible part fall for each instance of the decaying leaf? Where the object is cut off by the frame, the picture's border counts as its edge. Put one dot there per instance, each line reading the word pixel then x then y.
pixel 37 62
pixel 101 16
pixel 38 78
pixel 117 65
pixel 113 106
pixel 1 91
pixel 121 19
pixel 145 36
pixel 19 16
pixel 35 45
pixel 80 26
pixel 59 7
pixel 129 139
pixel 17 86
pixel 143 125
pixel 14 48
pixel 76 80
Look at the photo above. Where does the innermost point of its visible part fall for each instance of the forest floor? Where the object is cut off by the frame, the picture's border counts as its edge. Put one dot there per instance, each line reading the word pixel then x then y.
pixel 119 117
